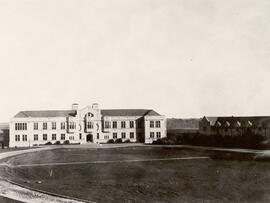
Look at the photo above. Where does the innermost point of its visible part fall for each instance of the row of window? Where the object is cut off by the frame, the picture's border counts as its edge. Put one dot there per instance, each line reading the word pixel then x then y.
pixel 18 138
pixel 152 124
pixel 20 126
pixel 124 135
pixel 107 124
pixel 89 125
pixel 152 135
pixel 62 137
pixel 23 126
pixel 226 129
pixel 44 137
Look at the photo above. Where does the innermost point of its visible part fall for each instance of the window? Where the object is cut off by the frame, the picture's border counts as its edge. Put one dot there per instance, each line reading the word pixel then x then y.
pixel 123 135
pixel 71 137
pixel 158 134
pixel 152 134
pixel 107 124
pixel 35 137
pixel 53 125
pixel 152 124
pixel 114 135
pixel 106 137
pixel 72 125
pixel 123 124
pixel 157 124
pixel 131 135
pixel 97 135
pixel 204 128
pixel 44 126
pixel 131 124
pixel 24 137
pixel 44 136
pixel 17 137
pixel 63 125
pixel 80 136
pixel 35 126
pixel 90 125
pixel 20 126
pixel 114 124
pixel 63 137
pixel 53 136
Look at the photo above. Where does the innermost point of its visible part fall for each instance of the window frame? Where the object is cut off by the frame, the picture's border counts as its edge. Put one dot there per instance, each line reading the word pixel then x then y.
pixel 114 124
pixel 44 126
pixel 35 137
pixel 45 137
pixel 152 124
pixel 131 135
pixel 53 125
pixel 123 135
pixel 63 136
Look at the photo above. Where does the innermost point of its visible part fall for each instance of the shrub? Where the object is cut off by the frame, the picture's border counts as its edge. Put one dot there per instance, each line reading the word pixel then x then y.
pixel 127 141
pixel 119 140
pixel 48 143
pixel 111 141
pixel 66 142
pixel 57 143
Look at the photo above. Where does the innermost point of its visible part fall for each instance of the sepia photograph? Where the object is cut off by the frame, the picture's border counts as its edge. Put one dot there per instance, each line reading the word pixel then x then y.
pixel 134 101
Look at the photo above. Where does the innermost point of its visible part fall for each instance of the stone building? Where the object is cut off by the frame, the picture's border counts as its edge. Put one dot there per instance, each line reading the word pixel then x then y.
pixel 230 126
pixel 90 124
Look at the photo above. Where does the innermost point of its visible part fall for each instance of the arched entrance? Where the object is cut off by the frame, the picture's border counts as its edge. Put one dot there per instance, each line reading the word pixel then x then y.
pixel 89 138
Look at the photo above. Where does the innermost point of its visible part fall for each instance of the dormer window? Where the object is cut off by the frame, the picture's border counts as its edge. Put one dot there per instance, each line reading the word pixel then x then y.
pixel 218 124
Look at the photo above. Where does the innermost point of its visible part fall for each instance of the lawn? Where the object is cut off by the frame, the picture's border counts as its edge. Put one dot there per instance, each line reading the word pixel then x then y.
pixel 224 177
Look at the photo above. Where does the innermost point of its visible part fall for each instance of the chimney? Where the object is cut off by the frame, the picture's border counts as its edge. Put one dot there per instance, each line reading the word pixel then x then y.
pixel 75 106
pixel 95 106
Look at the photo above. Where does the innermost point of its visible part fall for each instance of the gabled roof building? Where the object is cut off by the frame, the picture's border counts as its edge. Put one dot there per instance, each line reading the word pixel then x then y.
pixel 86 125
pixel 231 125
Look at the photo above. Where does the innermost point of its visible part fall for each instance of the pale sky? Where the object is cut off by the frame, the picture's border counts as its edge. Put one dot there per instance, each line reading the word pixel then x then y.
pixel 183 58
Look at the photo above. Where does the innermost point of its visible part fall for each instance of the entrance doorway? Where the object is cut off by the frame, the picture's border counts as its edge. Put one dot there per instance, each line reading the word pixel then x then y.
pixel 89 138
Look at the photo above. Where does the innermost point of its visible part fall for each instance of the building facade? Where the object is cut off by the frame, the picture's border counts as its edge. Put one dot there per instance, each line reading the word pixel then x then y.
pixel 231 126
pixel 86 125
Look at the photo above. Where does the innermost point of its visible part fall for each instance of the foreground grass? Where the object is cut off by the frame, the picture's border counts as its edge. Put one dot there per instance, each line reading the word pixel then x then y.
pixel 225 177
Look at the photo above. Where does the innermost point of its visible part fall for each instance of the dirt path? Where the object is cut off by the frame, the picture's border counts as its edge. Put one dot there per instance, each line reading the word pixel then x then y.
pixel 21 194
pixel 117 161
pixel 255 151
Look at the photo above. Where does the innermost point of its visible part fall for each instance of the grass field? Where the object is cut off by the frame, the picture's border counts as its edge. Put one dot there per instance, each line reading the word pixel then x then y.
pixel 224 177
